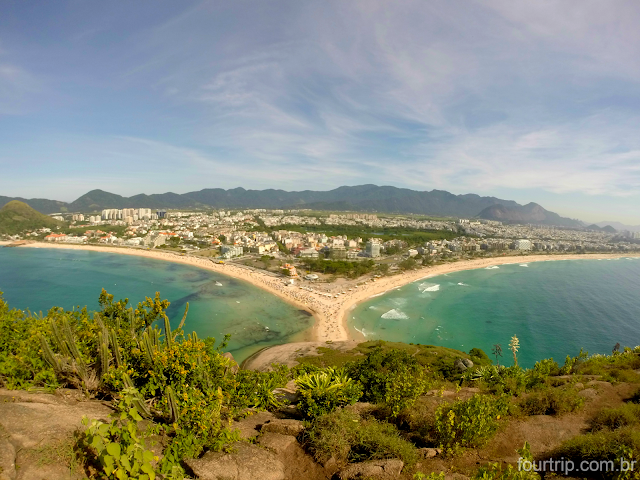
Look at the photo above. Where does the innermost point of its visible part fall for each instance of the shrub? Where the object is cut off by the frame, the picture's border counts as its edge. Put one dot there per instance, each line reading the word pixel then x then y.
pixel 116 449
pixel 551 401
pixel 619 375
pixel 572 364
pixel 635 397
pixel 349 438
pixel 613 418
pixel 478 355
pixel 546 367
pixel 393 378
pixel 468 423
pixel 495 471
pixel 21 365
pixel 601 446
pixel 324 391
pixel 255 389
pixel 513 380
pixel 607 364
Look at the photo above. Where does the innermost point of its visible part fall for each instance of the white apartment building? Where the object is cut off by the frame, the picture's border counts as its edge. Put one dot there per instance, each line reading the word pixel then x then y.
pixel 522 244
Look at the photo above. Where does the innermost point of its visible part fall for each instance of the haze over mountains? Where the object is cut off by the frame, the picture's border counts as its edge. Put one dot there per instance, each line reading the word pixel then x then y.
pixel 366 198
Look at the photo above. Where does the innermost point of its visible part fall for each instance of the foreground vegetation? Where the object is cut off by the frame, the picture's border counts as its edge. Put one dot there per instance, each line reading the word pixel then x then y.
pixel 380 400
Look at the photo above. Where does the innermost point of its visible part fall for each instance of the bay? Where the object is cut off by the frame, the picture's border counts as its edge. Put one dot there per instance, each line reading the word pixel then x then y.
pixel 39 279
pixel 555 308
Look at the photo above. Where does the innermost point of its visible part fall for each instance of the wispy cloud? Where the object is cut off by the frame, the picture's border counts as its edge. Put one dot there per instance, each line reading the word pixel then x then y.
pixel 476 96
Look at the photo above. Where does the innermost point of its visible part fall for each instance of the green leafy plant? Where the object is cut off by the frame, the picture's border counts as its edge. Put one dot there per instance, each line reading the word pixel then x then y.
pixel 468 423
pixel 116 449
pixel 325 390
pixel 392 378
pixel 431 476
pixel 495 471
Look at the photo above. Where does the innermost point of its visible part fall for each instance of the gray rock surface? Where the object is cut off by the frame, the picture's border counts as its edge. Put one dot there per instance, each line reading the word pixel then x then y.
pixel 467 362
pixel 245 462
pixel 373 469
pixel 249 427
pixel 7 458
pixel 429 452
pixel 37 432
pixel 588 393
pixel 283 426
pixel 459 364
pixel 233 364
pixel 289 393
pixel 277 442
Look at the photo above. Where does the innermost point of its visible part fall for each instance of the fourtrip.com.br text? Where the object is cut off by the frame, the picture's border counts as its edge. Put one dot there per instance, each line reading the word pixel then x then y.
pixel 566 467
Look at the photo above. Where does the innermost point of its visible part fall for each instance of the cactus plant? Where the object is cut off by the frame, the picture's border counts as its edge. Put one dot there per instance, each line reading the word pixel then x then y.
pixel 172 402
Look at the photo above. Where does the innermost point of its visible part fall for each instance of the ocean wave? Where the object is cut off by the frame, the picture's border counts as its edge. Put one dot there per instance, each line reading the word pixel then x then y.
pixel 394 314
pixel 399 302
pixel 363 332
pixel 492 267
pixel 428 287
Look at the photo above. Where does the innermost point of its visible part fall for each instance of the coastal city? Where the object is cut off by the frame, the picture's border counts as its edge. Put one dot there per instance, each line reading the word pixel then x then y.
pixel 320 240
pixel 299 234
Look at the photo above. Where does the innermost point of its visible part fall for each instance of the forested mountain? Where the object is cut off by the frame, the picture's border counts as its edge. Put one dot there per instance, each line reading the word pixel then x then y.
pixel 529 213
pixel 366 198
pixel 16 217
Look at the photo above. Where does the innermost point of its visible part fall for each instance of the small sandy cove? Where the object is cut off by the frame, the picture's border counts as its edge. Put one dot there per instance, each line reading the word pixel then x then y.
pixel 331 312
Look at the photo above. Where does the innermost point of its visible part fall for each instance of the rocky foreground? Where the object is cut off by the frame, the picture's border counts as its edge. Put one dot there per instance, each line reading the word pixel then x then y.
pixel 38 431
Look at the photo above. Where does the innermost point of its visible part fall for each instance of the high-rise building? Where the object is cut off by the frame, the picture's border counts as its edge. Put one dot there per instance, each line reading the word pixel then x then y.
pixel 373 248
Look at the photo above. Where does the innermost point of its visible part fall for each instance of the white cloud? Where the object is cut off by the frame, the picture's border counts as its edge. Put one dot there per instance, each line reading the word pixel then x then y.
pixel 470 96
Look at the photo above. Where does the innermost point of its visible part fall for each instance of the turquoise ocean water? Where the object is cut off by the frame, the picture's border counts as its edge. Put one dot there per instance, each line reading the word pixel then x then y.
pixel 38 279
pixel 554 308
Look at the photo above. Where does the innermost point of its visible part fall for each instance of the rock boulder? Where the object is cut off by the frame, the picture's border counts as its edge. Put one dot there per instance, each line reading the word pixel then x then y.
pixel 373 469
pixel 245 462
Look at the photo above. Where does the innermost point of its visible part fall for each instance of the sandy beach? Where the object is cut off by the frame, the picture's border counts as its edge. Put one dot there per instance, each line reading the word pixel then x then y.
pixel 327 302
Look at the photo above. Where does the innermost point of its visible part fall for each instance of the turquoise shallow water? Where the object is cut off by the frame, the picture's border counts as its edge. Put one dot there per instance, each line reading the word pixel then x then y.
pixel 38 279
pixel 554 308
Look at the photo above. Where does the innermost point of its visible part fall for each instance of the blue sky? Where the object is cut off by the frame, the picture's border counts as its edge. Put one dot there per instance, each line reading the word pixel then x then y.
pixel 531 101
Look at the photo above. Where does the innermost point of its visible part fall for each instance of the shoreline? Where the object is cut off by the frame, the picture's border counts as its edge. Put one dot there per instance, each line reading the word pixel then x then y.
pixel 387 284
pixel 262 281
pixel 330 313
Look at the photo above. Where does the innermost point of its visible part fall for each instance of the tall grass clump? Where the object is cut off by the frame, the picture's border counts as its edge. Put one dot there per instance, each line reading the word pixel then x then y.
pixel 551 401
pixel 613 418
pixel 347 437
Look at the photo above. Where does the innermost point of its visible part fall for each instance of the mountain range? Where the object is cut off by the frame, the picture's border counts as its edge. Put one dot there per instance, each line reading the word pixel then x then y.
pixel 529 213
pixel 365 198
pixel 619 226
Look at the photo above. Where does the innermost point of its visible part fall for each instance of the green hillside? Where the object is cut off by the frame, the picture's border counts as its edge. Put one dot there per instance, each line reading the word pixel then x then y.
pixel 16 217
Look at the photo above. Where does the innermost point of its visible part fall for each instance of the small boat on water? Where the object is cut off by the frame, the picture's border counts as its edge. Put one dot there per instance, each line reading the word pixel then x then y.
pixel 218 284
